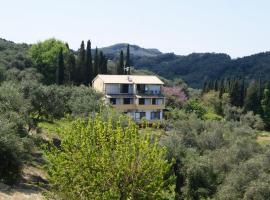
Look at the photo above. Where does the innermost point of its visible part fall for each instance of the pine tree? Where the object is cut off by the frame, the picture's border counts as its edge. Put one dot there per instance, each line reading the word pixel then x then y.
pixel 128 61
pixel 120 66
pixel 60 69
pixel 88 66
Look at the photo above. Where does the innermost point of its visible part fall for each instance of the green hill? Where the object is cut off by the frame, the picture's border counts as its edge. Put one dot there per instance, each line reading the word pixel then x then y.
pixel 114 50
pixel 198 67
pixel 193 69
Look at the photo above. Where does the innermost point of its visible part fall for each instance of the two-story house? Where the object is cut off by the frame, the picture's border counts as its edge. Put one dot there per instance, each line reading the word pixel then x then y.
pixel 139 96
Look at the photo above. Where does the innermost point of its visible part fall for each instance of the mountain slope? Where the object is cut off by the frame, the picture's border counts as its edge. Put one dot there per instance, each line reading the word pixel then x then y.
pixel 196 68
pixel 193 69
pixel 114 50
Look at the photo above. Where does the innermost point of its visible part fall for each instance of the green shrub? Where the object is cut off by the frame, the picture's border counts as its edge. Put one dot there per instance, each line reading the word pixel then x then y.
pixel 97 161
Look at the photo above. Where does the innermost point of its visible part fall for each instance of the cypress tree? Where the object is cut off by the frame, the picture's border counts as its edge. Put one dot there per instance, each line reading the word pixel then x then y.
pixel 120 66
pixel 96 63
pixel 70 66
pixel 88 66
pixel 81 64
pixel 105 66
pixel 215 85
pixel 204 89
pixel 221 88
pixel 60 68
pixel 235 93
pixel 242 92
pixel 252 100
pixel 128 60
pixel 266 106
pixel 102 63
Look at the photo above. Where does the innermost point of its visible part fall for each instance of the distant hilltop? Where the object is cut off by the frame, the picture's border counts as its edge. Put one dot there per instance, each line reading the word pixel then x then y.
pixel 135 50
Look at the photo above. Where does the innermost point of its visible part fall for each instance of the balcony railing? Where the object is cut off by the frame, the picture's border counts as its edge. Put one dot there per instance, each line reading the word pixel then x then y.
pixel 149 92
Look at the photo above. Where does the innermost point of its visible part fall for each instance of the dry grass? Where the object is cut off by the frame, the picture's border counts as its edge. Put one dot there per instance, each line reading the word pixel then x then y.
pixel 264 138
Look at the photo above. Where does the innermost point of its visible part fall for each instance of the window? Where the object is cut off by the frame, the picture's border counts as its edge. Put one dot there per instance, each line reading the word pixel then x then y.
pixel 141 88
pixel 113 101
pixel 142 114
pixel 141 101
pixel 139 115
pixel 124 88
pixel 127 101
pixel 155 115
pixel 147 102
pixel 154 101
pixel 159 101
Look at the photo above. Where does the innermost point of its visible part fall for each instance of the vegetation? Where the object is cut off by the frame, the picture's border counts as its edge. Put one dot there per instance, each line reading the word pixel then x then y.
pixel 99 160
pixel 250 97
pixel 213 144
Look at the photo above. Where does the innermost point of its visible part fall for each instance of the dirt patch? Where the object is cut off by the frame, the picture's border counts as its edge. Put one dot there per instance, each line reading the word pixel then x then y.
pixel 20 194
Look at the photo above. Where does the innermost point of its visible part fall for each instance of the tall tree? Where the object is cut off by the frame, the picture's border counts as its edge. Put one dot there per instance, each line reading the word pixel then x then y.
pixel 252 100
pixel 88 66
pixel 71 62
pixel 45 57
pixel 205 87
pixel 266 106
pixel 96 63
pixel 102 63
pixel 221 88
pixel 120 66
pixel 128 60
pixel 60 68
pixel 81 64
pixel 235 93
pixel 70 66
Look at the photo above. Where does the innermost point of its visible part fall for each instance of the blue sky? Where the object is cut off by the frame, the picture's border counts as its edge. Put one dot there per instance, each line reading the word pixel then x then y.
pixel 236 27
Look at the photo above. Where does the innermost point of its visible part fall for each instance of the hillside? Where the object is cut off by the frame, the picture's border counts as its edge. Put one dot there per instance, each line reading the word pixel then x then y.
pixel 12 54
pixel 198 67
pixel 193 69
pixel 113 51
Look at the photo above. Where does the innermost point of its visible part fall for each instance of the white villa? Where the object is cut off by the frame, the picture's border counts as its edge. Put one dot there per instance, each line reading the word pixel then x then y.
pixel 139 96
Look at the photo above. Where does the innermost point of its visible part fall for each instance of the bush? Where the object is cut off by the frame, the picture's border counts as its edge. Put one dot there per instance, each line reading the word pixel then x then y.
pixel 14 143
pixel 97 161
pixel 193 106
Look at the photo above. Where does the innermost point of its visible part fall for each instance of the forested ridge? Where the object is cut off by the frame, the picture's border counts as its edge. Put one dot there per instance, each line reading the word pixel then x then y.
pixel 194 69
pixel 212 144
